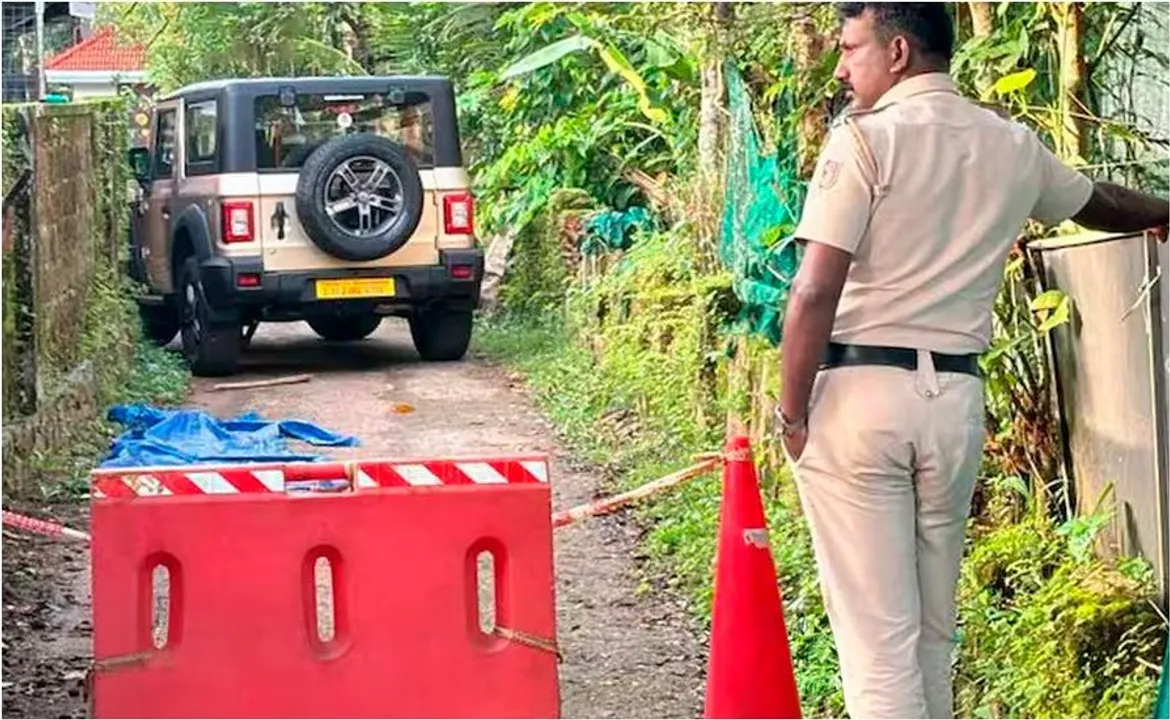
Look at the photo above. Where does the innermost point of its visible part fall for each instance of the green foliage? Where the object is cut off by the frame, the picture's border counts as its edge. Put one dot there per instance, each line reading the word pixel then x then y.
pixel 630 376
pixel 540 276
pixel 111 174
pixel 1047 631
pixel 132 370
pixel 15 147
pixel 160 377
pixel 110 332
pixel 548 55
pixel 1015 82
pixel 563 118
pixel 196 41
pixel 610 55
pixel 111 323
pixel 1023 435
pixel 1019 65
pixel 635 373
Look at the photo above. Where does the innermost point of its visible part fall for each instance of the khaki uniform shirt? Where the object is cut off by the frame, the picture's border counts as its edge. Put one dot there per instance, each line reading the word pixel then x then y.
pixel 929 207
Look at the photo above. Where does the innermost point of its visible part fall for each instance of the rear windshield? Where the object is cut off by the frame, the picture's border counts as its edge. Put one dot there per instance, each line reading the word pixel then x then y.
pixel 286 136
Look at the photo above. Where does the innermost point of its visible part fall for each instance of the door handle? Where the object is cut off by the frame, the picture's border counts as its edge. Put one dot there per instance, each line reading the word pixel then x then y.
pixel 166 211
pixel 278 218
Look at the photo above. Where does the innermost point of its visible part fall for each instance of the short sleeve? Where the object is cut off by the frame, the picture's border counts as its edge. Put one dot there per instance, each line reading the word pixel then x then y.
pixel 1063 191
pixel 836 210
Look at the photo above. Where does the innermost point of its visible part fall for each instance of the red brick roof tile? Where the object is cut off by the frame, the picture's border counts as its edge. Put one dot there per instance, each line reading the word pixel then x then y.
pixel 101 51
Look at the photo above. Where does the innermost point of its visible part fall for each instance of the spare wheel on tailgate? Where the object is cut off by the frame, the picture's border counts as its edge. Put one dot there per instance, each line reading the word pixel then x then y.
pixel 359 197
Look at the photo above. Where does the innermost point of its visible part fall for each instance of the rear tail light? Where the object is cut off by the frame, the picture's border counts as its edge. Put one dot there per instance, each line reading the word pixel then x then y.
pixel 248 280
pixel 459 214
pixel 462 272
pixel 237 222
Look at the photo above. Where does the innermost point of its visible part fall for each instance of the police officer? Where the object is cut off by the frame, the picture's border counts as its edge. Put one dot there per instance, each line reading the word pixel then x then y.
pixel 915 203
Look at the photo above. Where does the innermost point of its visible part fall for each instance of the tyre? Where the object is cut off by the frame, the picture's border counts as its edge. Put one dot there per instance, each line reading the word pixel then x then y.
pixel 160 323
pixel 441 335
pixel 211 346
pixel 344 328
pixel 359 197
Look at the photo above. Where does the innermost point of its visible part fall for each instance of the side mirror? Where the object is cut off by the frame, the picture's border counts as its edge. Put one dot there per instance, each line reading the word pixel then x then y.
pixel 140 163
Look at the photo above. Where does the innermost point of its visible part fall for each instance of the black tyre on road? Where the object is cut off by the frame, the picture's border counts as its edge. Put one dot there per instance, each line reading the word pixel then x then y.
pixel 441 335
pixel 211 345
pixel 359 197
pixel 344 328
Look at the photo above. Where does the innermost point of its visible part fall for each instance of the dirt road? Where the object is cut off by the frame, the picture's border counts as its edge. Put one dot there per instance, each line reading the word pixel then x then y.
pixel 626 654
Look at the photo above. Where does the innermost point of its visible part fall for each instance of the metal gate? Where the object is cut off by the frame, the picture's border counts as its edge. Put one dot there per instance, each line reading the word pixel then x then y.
pixel 1112 377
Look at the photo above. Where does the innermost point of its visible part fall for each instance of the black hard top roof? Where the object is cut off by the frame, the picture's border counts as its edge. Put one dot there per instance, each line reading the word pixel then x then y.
pixel 336 84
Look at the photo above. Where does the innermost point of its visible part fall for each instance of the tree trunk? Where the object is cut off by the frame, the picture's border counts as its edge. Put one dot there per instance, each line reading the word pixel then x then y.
pixel 348 41
pixel 357 39
pixel 710 92
pixel 1070 20
pixel 739 384
pixel 982 25
pixel 982 18
pixel 810 47
pixel 711 130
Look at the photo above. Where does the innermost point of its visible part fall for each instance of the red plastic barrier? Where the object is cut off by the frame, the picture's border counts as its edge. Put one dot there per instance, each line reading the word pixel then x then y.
pixel 242 637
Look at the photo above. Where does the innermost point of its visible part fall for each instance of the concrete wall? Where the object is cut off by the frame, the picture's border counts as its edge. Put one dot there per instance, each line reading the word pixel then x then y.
pixel 85 91
pixel 68 330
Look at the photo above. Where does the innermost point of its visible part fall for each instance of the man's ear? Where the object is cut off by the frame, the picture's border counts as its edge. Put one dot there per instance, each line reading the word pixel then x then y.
pixel 899 50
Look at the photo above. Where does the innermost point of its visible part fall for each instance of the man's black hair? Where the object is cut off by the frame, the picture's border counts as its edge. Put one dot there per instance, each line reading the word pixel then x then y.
pixel 928 24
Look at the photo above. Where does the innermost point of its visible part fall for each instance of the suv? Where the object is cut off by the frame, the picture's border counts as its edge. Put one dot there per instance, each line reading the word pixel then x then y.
pixel 336 201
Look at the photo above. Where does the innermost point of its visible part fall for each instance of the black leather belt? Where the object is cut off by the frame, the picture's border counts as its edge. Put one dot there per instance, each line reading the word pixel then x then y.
pixel 839 355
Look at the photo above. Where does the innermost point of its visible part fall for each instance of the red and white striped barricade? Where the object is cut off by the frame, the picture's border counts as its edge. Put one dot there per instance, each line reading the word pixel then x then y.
pixel 403 538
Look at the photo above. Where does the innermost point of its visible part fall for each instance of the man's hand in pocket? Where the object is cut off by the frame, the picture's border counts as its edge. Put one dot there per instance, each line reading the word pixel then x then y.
pixel 794 443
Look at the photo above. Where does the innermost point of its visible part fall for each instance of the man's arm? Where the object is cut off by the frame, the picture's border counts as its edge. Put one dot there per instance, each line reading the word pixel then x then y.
pixel 808 323
pixel 835 216
pixel 1114 208
pixel 1066 194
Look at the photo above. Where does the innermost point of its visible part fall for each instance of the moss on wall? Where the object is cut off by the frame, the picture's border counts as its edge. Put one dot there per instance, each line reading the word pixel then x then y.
pixel 70 325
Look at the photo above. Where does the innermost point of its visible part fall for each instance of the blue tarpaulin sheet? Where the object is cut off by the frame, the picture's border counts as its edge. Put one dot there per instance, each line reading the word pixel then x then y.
pixel 193 437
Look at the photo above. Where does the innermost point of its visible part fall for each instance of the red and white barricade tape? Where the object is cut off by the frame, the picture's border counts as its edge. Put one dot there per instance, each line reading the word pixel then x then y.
pixel 341 477
pixel 42 527
pixel 606 505
pixel 485 472
pixel 315 477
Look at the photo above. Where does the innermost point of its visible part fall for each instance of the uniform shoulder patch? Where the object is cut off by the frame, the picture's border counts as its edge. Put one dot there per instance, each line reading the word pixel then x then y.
pixel 830 171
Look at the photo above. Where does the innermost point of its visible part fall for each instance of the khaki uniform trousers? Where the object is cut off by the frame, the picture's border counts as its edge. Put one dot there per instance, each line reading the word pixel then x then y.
pixel 885 481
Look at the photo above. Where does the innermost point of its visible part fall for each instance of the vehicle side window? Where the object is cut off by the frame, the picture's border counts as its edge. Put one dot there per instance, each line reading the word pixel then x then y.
pixel 164 146
pixel 201 134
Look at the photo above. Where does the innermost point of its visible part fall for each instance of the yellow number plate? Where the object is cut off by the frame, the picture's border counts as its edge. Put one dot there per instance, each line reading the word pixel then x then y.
pixel 355 288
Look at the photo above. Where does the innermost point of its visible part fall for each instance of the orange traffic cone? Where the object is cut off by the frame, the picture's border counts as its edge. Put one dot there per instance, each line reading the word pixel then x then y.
pixel 749 671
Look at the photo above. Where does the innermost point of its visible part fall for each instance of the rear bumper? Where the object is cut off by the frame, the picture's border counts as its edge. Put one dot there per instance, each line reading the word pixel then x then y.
pixel 454 283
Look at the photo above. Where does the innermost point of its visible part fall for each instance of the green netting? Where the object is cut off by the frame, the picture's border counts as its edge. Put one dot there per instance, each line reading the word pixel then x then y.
pixel 761 206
